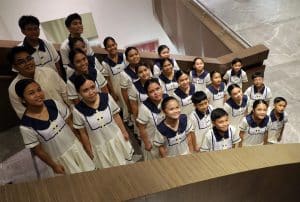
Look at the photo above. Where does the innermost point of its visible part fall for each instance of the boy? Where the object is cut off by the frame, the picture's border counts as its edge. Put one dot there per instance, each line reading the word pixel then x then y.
pixel 258 90
pixel 222 136
pixel 236 75
pixel 51 83
pixel 74 24
pixel 200 117
pixel 42 51
pixel 278 120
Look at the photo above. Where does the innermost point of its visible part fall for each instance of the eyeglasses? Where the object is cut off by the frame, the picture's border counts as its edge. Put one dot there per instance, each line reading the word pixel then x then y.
pixel 23 62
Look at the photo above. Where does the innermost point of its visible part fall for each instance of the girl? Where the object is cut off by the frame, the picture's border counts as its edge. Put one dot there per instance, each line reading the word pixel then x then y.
pixel 101 129
pixel 184 92
pixel 236 106
pixel 216 90
pixel 167 77
pixel 278 119
pixel 45 129
pixel 236 75
pixel 114 63
pixel 78 43
pixel 81 65
pixel 149 116
pixel 254 128
pixel 163 53
pixel 174 135
pixel 199 76
pixel 128 76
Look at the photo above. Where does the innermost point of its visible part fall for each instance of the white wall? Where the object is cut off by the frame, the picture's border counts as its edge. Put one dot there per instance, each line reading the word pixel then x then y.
pixel 129 22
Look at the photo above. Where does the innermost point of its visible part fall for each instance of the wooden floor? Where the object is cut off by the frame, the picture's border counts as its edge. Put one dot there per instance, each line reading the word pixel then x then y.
pixel 263 173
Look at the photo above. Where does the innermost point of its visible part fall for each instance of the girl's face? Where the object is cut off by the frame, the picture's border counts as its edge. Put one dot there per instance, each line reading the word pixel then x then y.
pixel 216 79
pixel 236 94
pixel 165 53
pixel 88 91
pixel 260 111
pixel 33 95
pixel 133 56
pixel 111 47
pixel 222 123
pixel 167 67
pixel 81 63
pixel 199 65
pixel 280 107
pixel 143 73
pixel 184 81
pixel 237 66
pixel 155 92
pixel 80 45
pixel 172 109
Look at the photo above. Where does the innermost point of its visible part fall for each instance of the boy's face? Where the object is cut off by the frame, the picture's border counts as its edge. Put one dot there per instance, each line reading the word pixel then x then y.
pixel 237 66
pixel 221 123
pixel 202 106
pixel 76 27
pixel 31 31
pixel 258 82
pixel 280 107
pixel 24 64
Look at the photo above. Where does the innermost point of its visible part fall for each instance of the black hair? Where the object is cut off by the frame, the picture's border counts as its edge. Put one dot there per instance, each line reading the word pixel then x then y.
pixel 73 53
pixel 166 101
pixel 161 48
pixel 136 68
pixel 72 41
pixel 217 113
pixel 197 58
pixel 257 102
pixel 129 49
pixel 198 97
pixel 236 60
pixel 80 80
pixel 21 85
pixel 213 73
pixel 163 60
pixel 28 20
pixel 279 99
pixel 257 74
pixel 105 41
pixel 71 17
pixel 14 51
pixel 149 82
pixel 231 87
pixel 178 74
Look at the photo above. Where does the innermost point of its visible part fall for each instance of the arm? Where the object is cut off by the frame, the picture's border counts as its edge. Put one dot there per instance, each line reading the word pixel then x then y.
pixel 162 151
pixel 144 136
pixel 191 141
pixel 266 138
pixel 242 138
pixel 105 89
pixel 119 122
pixel 126 99
pixel 111 89
pixel 281 132
pixel 44 156
pixel 58 68
pixel 134 108
pixel 84 139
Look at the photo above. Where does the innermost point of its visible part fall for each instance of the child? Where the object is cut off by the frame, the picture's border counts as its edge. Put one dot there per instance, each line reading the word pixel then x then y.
pixel 222 136
pixel 74 25
pixel 200 117
pixel 199 76
pixel 184 92
pixel 174 134
pixel 149 116
pixel 216 90
pixel 167 77
pixel 42 51
pixel 81 66
pixel 278 120
pixel 258 90
pixel 45 128
pixel 236 75
pixel 101 129
pixel 254 128
pixel 163 53
pixel 236 106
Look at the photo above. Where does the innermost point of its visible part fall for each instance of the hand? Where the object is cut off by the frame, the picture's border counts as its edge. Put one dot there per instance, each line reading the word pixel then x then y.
pixel 90 154
pixel 126 136
pixel 59 169
pixel 148 146
pixel 279 139
pixel 196 149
